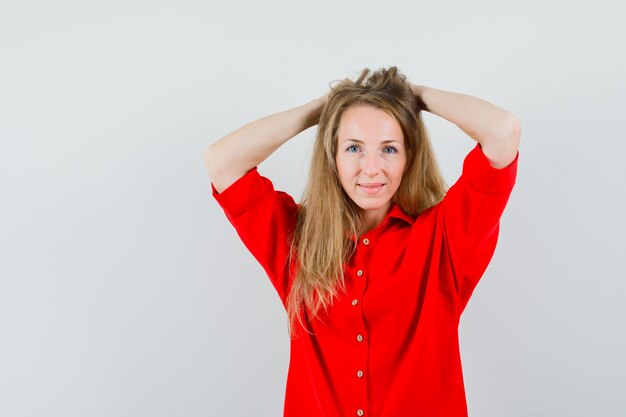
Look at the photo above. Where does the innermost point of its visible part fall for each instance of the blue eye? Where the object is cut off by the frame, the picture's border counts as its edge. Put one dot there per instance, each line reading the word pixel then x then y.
pixel 388 147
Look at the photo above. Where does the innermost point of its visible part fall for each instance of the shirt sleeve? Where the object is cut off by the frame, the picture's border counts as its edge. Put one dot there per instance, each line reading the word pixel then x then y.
pixel 471 212
pixel 264 219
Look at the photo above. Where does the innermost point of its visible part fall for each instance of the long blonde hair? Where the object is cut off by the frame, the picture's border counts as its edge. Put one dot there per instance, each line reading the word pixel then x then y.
pixel 327 216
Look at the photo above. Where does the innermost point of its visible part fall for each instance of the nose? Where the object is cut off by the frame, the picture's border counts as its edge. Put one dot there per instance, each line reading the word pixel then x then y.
pixel 371 163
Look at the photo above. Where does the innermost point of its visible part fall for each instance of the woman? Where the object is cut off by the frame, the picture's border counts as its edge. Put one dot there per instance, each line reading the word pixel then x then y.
pixel 379 259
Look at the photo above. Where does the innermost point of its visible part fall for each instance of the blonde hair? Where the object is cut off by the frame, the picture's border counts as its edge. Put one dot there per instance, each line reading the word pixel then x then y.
pixel 322 247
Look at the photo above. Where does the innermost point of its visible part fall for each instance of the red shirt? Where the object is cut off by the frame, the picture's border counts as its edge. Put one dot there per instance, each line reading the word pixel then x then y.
pixel 389 347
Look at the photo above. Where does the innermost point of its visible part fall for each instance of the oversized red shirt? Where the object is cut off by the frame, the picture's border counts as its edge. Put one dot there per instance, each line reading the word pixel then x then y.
pixel 388 347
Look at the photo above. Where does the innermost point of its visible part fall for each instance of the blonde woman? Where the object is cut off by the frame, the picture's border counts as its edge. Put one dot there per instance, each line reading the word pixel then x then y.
pixel 377 262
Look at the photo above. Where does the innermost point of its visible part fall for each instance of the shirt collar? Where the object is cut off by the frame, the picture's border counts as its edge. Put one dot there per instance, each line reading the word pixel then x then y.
pixel 395 212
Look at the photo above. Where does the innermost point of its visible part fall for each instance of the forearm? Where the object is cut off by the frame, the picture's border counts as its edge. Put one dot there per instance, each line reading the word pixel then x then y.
pixel 480 119
pixel 254 142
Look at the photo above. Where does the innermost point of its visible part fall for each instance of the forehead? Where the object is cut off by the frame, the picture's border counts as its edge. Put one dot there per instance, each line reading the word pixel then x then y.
pixel 368 124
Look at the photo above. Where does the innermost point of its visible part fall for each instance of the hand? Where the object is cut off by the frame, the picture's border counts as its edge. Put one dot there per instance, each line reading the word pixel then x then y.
pixel 417 89
pixel 324 99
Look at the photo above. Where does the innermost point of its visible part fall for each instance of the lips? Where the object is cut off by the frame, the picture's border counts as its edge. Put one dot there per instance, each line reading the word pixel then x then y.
pixel 371 188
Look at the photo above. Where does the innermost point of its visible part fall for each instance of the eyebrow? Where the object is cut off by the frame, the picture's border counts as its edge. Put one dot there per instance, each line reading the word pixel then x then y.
pixel 360 141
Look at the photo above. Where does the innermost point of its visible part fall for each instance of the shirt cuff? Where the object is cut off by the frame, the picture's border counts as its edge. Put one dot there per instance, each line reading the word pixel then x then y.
pixel 243 193
pixel 484 177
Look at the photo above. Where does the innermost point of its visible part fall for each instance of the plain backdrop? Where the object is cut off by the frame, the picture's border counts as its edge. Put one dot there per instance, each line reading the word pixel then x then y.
pixel 125 291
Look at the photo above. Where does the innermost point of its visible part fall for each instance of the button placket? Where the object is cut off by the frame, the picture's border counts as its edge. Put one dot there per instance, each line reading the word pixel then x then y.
pixel 360 337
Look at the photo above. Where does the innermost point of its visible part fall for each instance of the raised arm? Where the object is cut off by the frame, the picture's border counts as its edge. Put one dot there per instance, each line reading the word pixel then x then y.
pixel 232 156
pixel 497 130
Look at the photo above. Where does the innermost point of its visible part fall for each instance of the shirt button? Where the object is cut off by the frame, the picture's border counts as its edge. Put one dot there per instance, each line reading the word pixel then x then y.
pixel 359 272
pixel 354 302
pixel 366 241
pixel 359 412
pixel 359 374
pixel 359 337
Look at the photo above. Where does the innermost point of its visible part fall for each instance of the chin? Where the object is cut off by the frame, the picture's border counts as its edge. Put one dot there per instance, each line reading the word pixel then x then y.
pixel 372 204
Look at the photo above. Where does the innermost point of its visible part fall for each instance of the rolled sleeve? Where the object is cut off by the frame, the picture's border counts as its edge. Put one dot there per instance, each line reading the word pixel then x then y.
pixel 486 178
pixel 243 193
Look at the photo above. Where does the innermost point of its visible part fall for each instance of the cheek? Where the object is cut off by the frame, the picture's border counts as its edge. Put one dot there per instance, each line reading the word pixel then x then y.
pixel 399 173
pixel 343 168
pixel 402 167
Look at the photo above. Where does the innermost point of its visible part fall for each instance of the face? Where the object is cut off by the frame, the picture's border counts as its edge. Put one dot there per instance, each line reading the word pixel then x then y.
pixel 370 159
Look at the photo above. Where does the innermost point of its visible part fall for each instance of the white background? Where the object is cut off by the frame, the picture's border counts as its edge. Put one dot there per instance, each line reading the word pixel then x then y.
pixel 124 291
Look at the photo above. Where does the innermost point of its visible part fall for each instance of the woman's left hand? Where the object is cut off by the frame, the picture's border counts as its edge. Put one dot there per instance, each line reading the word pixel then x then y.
pixel 417 89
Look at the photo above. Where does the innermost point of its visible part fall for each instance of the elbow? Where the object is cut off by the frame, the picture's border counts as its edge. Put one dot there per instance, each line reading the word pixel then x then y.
pixel 208 156
pixel 512 130
pixel 514 125
pixel 508 138
pixel 511 138
pixel 502 147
